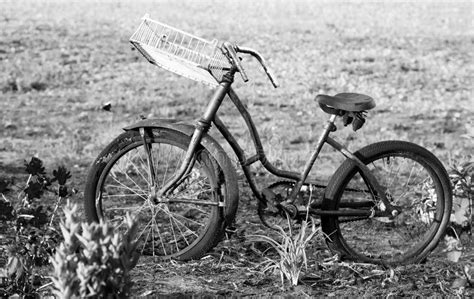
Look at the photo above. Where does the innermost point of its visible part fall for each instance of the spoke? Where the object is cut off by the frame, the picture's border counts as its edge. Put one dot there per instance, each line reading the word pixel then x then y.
pixel 408 236
pixel 170 214
pixel 402 196
pixel 136 167
pixel 166 169
pixel 125 208
pixel 181 232
pixel 146 239
pixel 409 176
pixel 385 166
pixel 191 201
pixel 153 234
pixel 153 225
pixel 394 176
pixel 189 219
pixel 124 187
pixel 144 229
pixel 168 166
pixel 126 174
pixel 174 235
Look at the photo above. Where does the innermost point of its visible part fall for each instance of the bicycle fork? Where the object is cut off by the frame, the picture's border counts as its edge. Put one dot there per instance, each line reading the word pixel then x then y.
pixel 202 127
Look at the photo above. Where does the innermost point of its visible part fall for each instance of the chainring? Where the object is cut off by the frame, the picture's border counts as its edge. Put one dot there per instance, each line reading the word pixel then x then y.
pixel 273 216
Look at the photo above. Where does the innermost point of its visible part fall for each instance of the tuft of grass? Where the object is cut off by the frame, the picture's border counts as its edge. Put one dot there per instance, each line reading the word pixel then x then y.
pixel 291 249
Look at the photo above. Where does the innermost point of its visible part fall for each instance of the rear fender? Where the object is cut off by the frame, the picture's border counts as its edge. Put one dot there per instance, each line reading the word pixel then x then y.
pixel 212 146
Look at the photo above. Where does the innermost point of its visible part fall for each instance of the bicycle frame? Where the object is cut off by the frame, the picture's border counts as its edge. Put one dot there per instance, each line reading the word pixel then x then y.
pixel 210 116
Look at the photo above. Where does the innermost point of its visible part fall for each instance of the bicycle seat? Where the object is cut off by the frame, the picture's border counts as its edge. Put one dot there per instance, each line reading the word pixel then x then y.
pixel 354 102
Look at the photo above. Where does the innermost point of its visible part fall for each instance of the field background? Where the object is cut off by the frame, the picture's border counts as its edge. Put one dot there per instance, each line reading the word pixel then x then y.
pixel 60 62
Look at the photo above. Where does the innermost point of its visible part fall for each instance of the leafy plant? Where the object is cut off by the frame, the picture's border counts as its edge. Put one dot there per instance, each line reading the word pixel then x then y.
pixel 29 225
pixel 462 215
pixel 462 178
pixel 94 260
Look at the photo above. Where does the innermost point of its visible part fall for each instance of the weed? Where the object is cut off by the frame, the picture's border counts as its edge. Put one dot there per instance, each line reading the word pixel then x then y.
pixel 29 230
pixel 462 178
pixel 291 250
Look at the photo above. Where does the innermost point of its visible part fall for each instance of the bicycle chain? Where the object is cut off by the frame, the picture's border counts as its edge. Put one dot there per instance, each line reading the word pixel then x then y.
pixel 262 204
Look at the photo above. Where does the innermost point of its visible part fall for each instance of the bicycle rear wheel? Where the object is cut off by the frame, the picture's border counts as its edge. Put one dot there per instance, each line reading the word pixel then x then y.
pixel 182 225
pixel 416 182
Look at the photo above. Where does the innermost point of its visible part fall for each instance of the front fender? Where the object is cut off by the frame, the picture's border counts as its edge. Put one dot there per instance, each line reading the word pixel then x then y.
pixel 213 147
pixel 174 124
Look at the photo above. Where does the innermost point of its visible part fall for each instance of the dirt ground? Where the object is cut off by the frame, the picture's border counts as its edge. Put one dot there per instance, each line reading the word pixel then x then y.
pixel 234 269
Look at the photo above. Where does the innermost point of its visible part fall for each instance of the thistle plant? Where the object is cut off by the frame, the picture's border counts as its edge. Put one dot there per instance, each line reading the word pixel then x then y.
pixel 94 260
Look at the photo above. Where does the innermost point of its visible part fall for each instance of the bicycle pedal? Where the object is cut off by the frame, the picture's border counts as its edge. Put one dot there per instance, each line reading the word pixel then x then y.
pixel 230 230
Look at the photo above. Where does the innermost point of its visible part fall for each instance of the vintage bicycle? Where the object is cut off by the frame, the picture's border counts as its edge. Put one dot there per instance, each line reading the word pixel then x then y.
pixel 387 203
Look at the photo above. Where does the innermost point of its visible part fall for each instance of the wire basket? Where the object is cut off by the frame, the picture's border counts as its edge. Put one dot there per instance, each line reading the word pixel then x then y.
pixel 180 52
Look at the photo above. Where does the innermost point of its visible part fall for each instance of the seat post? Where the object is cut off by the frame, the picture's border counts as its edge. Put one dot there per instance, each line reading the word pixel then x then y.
pixel 330 127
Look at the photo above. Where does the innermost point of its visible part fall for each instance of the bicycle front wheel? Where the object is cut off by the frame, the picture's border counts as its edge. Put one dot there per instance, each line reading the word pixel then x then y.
pixel 415 182
pixel 182 225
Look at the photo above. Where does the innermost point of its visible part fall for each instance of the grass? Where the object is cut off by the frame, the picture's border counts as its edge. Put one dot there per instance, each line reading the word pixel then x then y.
pixel 291 249
pixel 60 62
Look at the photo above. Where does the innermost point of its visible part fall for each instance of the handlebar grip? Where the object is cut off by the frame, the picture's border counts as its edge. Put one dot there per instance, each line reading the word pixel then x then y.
pixel 241 70
pixel 236 60
pixel 272 78
pixel 262 62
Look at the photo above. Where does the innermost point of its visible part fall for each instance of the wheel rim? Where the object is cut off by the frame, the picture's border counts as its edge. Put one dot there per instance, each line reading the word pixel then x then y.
pixel 412 186
pixel 168 226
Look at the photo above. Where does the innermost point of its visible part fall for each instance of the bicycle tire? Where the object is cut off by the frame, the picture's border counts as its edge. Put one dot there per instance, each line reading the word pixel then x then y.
pixel 169 229
pixel 425 209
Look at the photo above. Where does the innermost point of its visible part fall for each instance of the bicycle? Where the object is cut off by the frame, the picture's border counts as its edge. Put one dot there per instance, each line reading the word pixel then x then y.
pixel 387 203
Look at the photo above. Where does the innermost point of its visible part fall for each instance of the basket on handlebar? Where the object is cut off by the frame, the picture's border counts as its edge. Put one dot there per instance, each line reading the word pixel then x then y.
pixel 180 52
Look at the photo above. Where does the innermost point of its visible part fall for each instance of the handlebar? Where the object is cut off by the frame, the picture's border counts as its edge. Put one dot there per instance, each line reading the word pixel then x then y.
pixel 260 59
pixel 232 51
